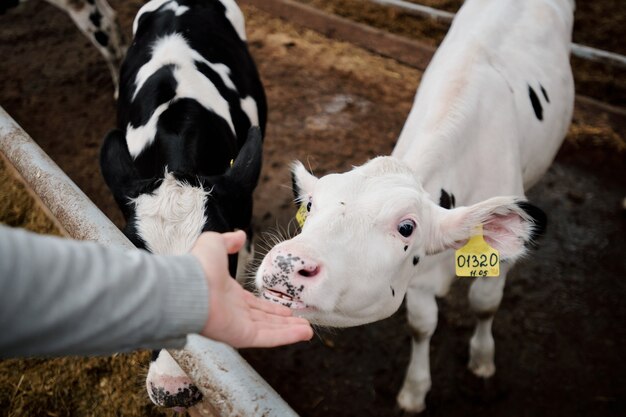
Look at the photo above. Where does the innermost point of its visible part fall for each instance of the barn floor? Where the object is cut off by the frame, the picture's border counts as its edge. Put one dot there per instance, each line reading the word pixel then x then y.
pixel 560 333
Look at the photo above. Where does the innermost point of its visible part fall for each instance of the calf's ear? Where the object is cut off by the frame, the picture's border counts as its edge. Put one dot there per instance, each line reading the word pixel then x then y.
pixel 302 181
pixel 116 164
pixel 118 169
pixel 510 225
pixel 247 166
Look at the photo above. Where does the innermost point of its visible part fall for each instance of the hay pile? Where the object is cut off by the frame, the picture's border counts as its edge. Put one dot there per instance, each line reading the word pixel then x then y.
pixel 103 386
pixel 18 208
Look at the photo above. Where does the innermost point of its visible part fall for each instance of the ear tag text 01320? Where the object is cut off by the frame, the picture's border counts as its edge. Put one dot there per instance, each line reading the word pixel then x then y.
pixel 477 258
pixel 301 215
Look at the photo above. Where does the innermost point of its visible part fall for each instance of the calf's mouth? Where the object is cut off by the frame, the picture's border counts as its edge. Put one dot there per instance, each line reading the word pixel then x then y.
pixel 287 300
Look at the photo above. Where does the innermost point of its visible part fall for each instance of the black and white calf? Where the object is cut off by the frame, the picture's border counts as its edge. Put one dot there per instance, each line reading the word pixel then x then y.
pixel 490 114
pixel 186 154
pixel 98 22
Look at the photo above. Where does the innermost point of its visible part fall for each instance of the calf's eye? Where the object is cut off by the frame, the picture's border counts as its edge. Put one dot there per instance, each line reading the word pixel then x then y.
pixel 308 206
pixel 406 227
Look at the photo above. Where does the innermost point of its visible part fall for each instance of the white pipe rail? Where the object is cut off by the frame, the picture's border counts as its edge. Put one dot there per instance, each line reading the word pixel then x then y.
pixel 78 215
pixel 598 55
pixel 418 10
pixel 230 386
pixel 581 51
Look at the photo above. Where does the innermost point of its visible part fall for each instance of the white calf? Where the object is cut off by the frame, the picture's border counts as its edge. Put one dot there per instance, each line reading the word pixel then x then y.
pixel 490 114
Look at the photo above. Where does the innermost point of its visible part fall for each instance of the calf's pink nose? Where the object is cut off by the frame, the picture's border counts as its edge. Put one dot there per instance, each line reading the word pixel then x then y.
pixel 288 264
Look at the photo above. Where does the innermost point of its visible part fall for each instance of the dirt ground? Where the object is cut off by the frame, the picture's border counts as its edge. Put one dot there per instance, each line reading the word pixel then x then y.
pixel 560 333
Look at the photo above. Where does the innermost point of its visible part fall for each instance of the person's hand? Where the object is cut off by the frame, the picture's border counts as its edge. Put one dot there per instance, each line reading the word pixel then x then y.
pixel 236 316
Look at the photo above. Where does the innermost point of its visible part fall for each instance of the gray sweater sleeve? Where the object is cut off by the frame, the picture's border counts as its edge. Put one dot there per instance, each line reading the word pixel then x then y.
pixel 63 297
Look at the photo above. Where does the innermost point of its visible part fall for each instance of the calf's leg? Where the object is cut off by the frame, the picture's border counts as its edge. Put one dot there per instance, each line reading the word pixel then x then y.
pixel 98 22
pixel 422 316
pixel 485 295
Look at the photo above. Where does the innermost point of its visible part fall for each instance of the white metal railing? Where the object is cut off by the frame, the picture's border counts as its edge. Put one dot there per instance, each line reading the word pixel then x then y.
pixel 418 10
pixel 229 385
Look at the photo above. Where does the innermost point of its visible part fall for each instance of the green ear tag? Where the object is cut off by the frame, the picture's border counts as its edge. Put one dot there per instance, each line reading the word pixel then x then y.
pixel 301 215
pixel 477 258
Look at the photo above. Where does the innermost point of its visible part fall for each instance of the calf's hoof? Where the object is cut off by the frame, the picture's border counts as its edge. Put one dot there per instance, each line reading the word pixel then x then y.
pixel 409 405
pixel 482 370
pixel 412 396
pixel 181 397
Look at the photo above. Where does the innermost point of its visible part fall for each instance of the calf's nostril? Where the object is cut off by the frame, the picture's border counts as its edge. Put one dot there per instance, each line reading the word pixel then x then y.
pixel 309 272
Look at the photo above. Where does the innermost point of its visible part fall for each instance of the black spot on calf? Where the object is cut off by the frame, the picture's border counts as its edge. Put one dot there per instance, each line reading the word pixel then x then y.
pixel 393 292
pixel 159 88
pixel 446 200
pixel 295 189
pixel 539 219
pixel 545 93
pixel 416 260
pixel 102 38
pixel 95 18
pixel 534 100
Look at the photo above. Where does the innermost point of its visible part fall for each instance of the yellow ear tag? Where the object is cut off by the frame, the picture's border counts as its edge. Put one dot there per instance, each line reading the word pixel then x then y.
pixel 232 161
pixel 477 258
pixel 301 215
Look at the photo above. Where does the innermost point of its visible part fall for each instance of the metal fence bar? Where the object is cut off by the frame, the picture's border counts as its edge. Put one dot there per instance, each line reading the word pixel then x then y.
pixel 72 208
pixel 418 10
pixel 230 386
pixel 581 51
pixel 598 55
pixel 247 393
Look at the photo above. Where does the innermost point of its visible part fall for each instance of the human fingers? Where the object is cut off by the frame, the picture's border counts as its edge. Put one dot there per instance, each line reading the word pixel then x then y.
pixel 234 240
pixel 271 336
pixel 262 316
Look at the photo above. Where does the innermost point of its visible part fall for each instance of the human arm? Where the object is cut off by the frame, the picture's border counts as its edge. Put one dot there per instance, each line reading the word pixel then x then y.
pixel 61 297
